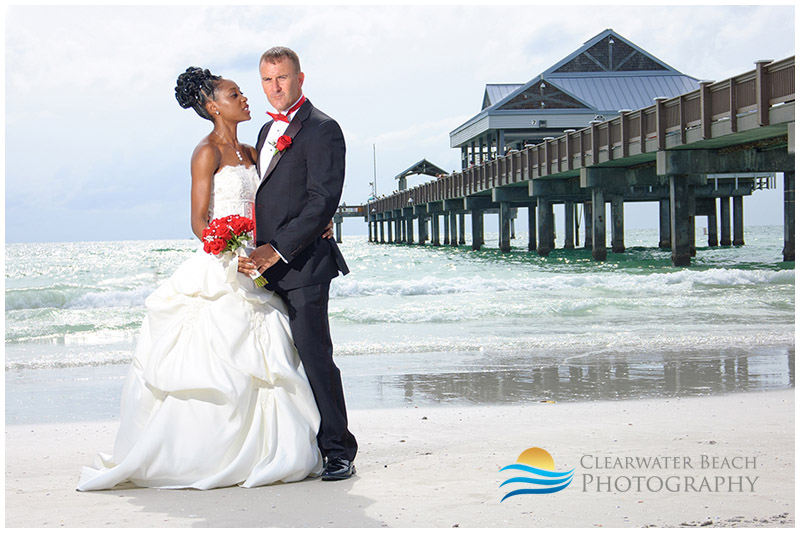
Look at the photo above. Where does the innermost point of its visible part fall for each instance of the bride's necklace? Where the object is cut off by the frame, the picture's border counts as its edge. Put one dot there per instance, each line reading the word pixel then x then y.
pixel 239 155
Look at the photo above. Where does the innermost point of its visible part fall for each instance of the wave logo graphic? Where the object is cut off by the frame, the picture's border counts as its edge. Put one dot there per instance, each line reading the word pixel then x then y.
pixel 545 479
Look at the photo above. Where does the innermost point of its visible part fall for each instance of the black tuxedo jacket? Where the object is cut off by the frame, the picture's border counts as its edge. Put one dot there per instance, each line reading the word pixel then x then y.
pixel 297 198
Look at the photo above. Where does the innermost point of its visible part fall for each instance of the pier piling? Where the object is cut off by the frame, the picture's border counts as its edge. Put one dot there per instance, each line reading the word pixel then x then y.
pixel 617 224
pixel 531 227
pixel 738 221
pixel 337 227
pixel 435 229
pixel 569 225
pixel 399 235
pixel 453 228
pixel 713 237
pixel 725 221
pixel 542 222
pixel 587 222
pixel 788 216
pixel 599 252
pixel 679 219
pixel 692 226
pixel 421 212
pixel 477 228
pixel 505 227
pixel 664 240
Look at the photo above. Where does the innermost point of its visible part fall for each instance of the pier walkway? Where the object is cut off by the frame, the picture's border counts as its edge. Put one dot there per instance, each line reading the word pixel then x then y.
pixel 345 211
pixel 712 145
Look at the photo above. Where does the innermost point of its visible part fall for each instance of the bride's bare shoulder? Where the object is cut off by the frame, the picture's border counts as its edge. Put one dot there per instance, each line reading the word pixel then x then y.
pixel 206 157
pixel 206 150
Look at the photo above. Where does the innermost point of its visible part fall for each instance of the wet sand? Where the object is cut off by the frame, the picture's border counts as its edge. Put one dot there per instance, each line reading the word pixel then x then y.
pixel 431 379
pixel 436 466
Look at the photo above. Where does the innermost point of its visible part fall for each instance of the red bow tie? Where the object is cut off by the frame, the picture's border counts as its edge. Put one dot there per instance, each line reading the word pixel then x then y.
pixel 280 117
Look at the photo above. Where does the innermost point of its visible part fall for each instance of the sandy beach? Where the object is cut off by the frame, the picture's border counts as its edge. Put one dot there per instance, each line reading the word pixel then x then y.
pixel 730 460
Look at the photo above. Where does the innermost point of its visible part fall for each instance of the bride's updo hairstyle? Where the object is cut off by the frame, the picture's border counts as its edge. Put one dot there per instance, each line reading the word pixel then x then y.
pixel 195 87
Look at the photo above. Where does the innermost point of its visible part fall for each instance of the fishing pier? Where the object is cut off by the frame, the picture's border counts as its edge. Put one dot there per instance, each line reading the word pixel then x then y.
pixel 697 154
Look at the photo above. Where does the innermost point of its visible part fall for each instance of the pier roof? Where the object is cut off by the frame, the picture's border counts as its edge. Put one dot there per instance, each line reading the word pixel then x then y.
pixel 616 92
pixel 421 167
pixel 608 73
pixel 498 91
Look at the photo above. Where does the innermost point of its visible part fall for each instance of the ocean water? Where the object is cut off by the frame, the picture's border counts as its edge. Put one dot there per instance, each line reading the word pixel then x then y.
pixel 422 325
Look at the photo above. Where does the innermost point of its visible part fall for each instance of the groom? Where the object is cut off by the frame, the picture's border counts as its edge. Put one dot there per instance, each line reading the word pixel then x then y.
pixel 301 165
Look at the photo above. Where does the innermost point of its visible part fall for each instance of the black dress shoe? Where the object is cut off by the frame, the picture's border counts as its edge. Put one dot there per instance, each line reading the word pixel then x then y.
pixel 337 469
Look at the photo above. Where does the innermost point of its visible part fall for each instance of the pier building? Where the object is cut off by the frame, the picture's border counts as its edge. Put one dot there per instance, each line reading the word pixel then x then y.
pixel 421 168
pixel 605 75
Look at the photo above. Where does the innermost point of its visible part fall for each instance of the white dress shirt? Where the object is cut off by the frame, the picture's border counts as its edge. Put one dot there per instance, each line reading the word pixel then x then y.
pixel 277 129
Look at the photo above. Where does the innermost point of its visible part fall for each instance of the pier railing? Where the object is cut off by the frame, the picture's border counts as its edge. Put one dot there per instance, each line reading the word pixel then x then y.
pixel 351 210
pixel 715 108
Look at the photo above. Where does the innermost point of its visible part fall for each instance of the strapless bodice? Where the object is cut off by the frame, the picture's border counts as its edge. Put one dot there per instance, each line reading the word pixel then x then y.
pixel 234 192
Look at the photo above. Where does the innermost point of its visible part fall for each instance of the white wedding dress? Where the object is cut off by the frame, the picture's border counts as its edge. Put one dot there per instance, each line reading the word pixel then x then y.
pixel 216 394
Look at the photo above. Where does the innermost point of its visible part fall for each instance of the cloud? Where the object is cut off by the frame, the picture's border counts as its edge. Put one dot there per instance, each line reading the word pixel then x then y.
pixel 91 118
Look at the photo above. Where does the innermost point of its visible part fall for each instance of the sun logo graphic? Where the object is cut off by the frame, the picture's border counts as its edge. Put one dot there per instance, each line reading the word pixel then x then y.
pixel 545 478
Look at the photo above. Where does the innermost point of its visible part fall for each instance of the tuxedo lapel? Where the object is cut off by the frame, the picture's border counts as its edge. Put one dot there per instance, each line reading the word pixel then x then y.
pixel 294 127
pixel 262 138
pixel 291 131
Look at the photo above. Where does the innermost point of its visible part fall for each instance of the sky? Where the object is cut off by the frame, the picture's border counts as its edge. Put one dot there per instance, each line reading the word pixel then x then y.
pixel 97 148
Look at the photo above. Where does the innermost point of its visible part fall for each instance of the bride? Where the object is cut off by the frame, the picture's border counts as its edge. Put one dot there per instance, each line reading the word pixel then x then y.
pixel 216 394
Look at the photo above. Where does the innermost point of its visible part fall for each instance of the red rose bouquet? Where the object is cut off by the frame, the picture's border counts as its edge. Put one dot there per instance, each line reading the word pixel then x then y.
pixel 230 234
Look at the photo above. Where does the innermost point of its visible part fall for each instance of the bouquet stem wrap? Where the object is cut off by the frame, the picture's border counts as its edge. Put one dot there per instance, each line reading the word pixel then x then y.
pixel 233 266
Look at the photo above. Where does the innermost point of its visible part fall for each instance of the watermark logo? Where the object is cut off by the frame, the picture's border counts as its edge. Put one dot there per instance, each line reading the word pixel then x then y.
pixel 545 479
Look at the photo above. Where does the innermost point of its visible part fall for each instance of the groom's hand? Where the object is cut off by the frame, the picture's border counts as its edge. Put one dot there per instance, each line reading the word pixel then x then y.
pixel 264 257
pixel 328 233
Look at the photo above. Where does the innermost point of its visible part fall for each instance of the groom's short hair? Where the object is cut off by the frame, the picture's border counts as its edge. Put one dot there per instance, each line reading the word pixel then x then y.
pixel 277 54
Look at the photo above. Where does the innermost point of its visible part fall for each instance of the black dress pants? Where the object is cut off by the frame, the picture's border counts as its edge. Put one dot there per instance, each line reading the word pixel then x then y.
pixel 308 317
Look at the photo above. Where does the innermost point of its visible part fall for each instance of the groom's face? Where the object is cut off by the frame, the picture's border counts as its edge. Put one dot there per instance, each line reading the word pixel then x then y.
pixel 282 84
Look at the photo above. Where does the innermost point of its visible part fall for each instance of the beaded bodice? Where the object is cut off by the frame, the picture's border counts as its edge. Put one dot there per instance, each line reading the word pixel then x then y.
pixel 234 192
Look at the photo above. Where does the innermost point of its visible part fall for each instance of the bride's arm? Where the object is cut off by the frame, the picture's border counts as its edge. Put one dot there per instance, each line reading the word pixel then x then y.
pixel 205 161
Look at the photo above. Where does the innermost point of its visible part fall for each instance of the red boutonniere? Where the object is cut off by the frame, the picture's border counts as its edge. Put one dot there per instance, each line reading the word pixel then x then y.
pixel 284 142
